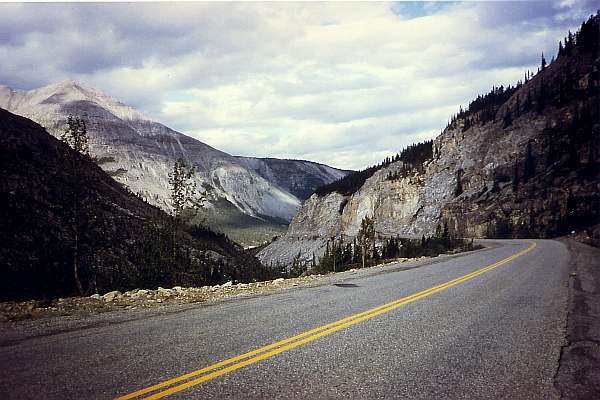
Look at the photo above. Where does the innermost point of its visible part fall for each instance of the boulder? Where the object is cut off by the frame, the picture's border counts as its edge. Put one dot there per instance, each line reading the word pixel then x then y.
pixel 112 296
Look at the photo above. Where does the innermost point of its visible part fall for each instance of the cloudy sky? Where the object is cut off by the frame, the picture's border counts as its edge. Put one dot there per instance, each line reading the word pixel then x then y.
pixel 340 83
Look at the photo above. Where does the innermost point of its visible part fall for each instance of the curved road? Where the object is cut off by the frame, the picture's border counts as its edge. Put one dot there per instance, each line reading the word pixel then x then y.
pixel 487 324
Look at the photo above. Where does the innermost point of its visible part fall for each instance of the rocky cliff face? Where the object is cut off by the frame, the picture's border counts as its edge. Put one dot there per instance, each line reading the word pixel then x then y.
pixel 525 163
pixel 140 153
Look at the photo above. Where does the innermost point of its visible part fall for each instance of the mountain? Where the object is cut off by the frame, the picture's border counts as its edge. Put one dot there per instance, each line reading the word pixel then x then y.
pixel 297 177
pixel 140 153
pixel 521 161
pixel 63 219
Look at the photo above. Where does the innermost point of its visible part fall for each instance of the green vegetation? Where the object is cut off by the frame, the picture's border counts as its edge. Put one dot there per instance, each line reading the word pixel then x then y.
pixel 486 108
pixel 413 157
pixel 554 174
pixel 350 183
pixel 241 228
pixel 75 135
pixel 367 250
pixel 172 250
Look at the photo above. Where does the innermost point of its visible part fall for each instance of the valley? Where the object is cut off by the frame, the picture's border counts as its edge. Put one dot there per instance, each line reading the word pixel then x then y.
pixel 372 200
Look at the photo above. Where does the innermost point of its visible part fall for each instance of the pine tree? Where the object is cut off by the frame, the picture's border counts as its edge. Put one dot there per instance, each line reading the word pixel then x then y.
pixel 81 144
pixel 507 119
pixel 297 267
pixel 183 188
pixel 75 135
pixel 543 62
pixel 560 48
pixel 183 198
pixel 541 100
pixel 527 103
pixel 81 215
pixel 366 240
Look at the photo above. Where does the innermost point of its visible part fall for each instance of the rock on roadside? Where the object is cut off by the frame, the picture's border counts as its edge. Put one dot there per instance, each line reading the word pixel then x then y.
pixel 140 298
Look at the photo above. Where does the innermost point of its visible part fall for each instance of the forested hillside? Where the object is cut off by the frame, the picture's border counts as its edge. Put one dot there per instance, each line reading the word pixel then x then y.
pixel 550 186
pixel 68 228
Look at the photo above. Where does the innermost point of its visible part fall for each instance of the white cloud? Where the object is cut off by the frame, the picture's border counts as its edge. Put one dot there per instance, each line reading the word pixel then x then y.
pixel 341 83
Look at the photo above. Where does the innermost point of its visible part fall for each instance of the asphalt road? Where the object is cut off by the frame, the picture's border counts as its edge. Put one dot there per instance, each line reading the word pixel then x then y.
pixel 495 334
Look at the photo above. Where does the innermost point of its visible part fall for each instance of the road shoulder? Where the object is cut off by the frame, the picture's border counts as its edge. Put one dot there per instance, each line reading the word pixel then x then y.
pixel 578 375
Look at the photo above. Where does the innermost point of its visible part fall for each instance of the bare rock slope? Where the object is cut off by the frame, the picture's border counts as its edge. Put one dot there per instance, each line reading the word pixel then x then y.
pixel 521 161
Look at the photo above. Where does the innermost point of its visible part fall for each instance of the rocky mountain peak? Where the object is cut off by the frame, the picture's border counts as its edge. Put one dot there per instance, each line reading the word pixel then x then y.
pixel 139 153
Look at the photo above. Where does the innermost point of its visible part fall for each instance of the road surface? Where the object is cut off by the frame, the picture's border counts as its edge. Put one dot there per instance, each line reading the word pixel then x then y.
pixel 487 324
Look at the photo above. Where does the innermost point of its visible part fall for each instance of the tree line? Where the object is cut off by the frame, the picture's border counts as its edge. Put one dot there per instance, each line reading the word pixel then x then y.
pixel 413 157
pixel 555 92
pixel 366 250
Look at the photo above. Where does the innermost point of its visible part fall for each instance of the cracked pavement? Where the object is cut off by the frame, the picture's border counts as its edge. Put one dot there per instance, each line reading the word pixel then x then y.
pixel 578 376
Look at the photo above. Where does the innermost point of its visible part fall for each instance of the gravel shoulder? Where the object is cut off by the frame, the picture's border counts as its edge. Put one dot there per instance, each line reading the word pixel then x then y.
pixel 578 375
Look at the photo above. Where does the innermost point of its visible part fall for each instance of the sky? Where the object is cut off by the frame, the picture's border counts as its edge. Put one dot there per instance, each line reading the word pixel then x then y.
pixel 345 84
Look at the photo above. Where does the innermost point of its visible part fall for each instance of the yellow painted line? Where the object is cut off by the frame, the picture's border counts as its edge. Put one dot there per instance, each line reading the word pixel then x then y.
pixel 237 362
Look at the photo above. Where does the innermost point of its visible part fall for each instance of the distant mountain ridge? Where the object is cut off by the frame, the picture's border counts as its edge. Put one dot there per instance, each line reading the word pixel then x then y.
pixel 298 177
pixel 139 152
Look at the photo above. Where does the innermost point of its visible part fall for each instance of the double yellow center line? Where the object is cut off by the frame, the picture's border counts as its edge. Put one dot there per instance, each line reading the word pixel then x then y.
pixel 193 378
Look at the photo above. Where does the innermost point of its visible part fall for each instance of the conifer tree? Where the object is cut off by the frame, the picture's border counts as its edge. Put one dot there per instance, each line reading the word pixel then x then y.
pixel 81 215
pixel 527 103
pixel 560 48
pixel 75 135
pixel 184 198
pixel 541 100
pixel 366 239
pixel 543 62
pixel 183 188
pixel 507 119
